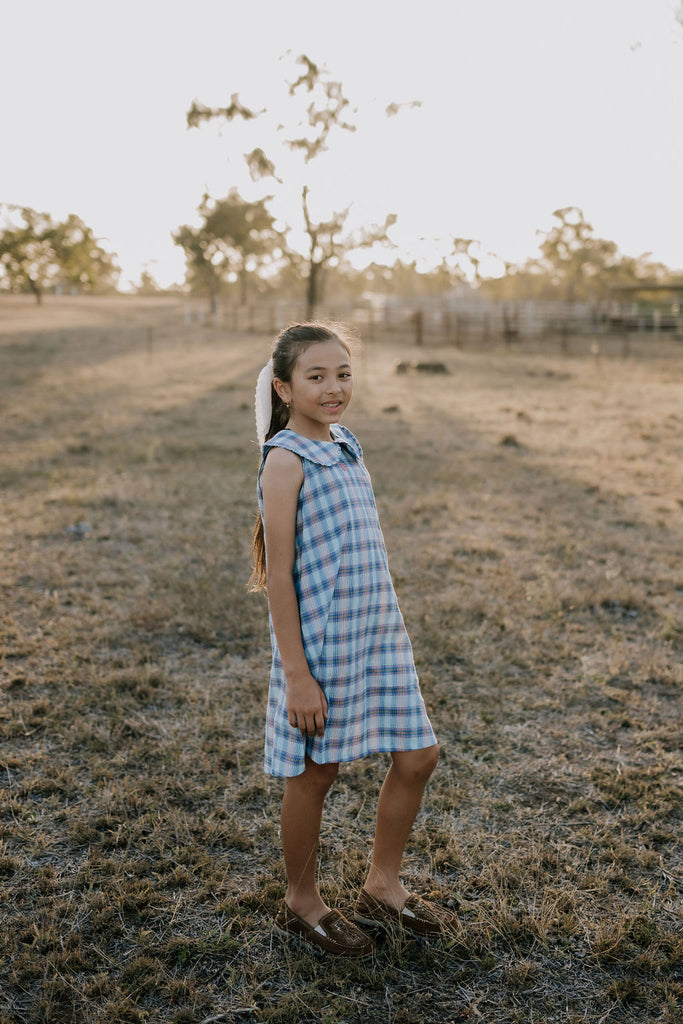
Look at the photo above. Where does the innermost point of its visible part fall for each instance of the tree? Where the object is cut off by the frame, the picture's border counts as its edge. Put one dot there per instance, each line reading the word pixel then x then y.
pixel 235 236
pixel 327 244
pixel 27 254
pixel 326 114
pixel 147 284
pixel 577 262
pixel 582 266
pixel 575 265
pixel 84 264
pixel 36 253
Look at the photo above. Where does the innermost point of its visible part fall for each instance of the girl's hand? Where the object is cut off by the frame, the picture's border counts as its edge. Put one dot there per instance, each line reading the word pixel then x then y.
pixel 306 706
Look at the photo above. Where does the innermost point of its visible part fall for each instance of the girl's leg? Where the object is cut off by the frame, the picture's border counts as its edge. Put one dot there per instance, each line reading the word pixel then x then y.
pixel 302 806
pixel 397 807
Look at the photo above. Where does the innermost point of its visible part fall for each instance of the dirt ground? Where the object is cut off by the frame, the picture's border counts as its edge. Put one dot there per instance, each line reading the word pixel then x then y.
pixel 531 504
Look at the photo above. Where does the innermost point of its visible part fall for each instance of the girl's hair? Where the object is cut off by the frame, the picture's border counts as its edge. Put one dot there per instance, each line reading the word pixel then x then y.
pixel 289 345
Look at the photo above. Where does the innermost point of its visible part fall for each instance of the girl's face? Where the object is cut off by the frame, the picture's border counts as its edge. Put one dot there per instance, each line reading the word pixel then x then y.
pixel 320 389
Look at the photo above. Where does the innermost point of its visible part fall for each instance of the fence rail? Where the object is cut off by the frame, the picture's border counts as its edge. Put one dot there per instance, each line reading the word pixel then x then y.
pixel 459 322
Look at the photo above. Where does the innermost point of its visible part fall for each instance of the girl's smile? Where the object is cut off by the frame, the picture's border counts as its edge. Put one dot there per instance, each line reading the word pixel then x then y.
pixel 319 391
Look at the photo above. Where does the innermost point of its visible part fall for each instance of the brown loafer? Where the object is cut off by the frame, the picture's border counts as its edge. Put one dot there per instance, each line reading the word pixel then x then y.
pixel 416 916
pixel 333 933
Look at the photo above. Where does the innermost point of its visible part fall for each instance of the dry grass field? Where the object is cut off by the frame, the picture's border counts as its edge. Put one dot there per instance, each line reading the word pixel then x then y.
pixel 531 503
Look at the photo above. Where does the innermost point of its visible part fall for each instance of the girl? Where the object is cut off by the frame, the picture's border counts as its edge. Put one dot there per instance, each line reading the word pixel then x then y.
pixel 343 682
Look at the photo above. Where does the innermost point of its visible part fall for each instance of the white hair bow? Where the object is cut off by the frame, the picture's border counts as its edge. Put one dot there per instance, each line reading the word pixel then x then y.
pixel 263 404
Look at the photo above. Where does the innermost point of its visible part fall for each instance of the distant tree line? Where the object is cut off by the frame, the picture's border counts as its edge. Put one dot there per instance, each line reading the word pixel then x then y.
pixel 237 254
pixel 237 241
pixel 242 259
pixel 240 252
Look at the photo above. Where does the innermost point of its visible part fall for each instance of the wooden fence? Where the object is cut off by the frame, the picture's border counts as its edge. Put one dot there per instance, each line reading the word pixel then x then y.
pixel 463 323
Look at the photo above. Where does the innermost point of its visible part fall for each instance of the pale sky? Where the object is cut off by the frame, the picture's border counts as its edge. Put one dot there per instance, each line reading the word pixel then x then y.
pixel 527 106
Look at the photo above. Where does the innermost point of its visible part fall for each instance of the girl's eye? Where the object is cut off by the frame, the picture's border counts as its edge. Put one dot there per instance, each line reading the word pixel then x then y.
pixel 342 376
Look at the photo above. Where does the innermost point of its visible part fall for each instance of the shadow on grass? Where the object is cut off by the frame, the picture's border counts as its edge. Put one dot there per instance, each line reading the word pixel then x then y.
pixel 140 857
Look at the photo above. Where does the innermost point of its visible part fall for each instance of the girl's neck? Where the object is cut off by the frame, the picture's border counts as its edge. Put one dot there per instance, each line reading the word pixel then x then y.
pixel 309 431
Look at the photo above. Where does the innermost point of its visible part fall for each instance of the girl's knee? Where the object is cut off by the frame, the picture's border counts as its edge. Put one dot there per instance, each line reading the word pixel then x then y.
pixel 416 765
pixel 321 776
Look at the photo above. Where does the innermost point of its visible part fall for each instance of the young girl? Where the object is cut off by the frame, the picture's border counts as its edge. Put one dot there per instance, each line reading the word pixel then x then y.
pixel 343 683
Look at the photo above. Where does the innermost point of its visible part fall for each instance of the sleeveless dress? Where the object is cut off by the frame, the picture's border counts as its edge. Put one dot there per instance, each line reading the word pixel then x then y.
pixel 353 632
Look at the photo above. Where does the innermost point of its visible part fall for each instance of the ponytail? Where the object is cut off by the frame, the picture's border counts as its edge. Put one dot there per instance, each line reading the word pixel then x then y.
pixel 279 417
pixel 289 345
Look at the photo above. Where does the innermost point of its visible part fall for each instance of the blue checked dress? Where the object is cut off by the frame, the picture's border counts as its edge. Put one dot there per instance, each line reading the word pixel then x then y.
pixel 353 632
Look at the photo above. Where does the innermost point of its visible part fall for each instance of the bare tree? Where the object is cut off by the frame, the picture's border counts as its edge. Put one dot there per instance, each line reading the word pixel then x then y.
pixel 327 112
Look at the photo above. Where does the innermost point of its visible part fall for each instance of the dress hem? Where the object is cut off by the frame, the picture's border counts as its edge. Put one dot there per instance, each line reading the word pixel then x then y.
pixel 355 757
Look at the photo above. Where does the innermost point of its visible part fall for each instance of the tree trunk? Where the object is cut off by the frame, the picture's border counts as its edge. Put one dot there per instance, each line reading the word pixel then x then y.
pixel 36 290
pixel 313 290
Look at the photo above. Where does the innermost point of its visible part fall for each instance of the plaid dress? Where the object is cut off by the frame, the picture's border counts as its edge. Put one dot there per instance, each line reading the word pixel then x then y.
pixel 353 632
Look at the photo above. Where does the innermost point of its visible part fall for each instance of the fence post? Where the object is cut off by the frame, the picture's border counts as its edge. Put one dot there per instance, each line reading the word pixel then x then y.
pixel 625 343
pixel 564 336
pixel 446 324
pixel 419 327
pixel 371 323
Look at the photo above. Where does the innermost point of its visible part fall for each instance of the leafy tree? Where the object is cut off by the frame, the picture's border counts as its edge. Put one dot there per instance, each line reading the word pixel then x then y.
pixel 27 254
pixel 36 253
pixel 326 113
pixel 466 253
pixel 235 236
pixel 523 281
pixel 147 284
pixel 84 264
pixel 574 258
pixel 398 279
pixel 575 265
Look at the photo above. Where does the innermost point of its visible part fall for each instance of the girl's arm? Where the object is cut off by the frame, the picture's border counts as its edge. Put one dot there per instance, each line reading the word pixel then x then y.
pixel 281 482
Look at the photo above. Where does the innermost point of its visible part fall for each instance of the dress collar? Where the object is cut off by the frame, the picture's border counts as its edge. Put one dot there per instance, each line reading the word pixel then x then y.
pixel 325 453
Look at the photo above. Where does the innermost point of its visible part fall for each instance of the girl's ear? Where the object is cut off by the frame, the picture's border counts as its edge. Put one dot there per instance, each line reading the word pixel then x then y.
pixel 282 389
